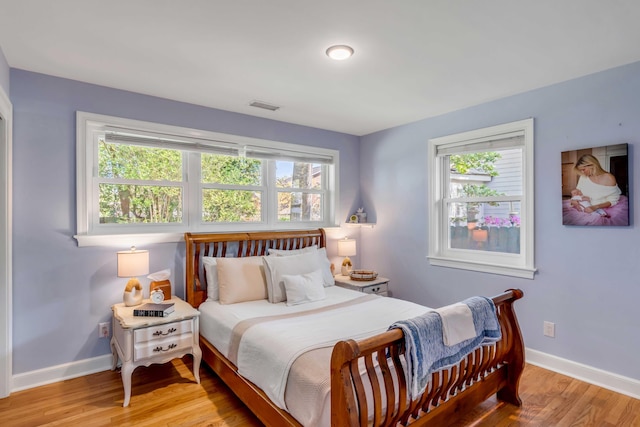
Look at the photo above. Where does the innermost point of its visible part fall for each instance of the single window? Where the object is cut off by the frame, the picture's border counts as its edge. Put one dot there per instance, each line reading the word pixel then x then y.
pixel 300 191
pixel 481 200
pixel 138 184
pixel 232 189
pixel 144 182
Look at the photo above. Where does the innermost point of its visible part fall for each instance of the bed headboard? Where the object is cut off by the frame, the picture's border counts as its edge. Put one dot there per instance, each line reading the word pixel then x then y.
pixel 237 245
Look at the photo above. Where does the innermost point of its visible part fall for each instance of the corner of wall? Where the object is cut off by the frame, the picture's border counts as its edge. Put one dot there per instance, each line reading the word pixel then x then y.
pixel 5 72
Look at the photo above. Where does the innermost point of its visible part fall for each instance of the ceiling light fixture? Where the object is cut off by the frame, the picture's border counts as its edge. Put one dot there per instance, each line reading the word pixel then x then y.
pixel 340 52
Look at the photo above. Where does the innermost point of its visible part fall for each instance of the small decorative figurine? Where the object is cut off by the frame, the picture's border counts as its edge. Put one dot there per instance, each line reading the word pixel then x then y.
pixel 362 215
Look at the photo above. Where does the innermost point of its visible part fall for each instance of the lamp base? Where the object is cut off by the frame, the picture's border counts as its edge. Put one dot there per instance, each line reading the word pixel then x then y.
pixel 345 270
pixel 132 293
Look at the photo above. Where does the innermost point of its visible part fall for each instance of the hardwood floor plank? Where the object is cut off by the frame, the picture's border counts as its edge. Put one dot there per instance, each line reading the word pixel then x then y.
pixel 167 395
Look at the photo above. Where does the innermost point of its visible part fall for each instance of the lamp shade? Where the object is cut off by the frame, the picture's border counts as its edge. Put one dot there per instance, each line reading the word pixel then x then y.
pixel 133 263
pixel 346 247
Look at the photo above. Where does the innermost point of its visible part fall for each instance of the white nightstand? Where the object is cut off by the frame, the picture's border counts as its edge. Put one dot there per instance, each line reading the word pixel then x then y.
pixel 379 286
pixel 141 341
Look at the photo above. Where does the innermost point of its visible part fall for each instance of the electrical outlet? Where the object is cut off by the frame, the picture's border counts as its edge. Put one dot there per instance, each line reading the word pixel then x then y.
pixel 549 329
pixel 103 330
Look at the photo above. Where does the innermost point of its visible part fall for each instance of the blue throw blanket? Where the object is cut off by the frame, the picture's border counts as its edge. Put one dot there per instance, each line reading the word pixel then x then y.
pixel 425 349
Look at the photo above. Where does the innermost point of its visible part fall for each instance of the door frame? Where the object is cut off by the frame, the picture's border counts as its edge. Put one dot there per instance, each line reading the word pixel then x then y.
pixel 6 111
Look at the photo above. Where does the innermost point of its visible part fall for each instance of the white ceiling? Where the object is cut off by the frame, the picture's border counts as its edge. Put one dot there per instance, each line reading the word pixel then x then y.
pixel 413 58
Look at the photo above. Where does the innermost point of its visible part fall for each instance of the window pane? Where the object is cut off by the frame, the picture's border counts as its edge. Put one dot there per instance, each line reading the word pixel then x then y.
pixel 298 175
pixel 139 163
pixel 231 205
pixel 127 204
pixel 298 206
pixel 493 227
pixel 231 170
pixel 491 173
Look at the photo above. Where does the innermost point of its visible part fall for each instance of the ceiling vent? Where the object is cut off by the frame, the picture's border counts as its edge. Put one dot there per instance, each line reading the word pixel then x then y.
pixel 264 105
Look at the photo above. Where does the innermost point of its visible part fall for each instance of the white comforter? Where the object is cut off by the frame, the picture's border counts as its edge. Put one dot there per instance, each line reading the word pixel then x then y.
pixel 267 349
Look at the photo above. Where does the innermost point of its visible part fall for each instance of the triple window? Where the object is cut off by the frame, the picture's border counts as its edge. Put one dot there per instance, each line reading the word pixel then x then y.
pixel 141 178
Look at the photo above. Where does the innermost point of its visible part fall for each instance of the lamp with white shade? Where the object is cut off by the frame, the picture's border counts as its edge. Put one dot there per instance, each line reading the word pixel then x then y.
pixel 133 263
pixel 346 248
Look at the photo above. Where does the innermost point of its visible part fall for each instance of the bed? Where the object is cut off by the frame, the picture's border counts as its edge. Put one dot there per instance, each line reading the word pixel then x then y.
pixel 364 375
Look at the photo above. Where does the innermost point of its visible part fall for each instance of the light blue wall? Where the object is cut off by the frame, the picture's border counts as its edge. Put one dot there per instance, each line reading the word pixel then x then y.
pixel 4 73
pixel 60 291
pixel 587 281
pixel 588 276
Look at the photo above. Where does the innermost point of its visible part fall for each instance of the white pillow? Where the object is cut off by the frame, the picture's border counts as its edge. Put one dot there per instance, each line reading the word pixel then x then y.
pixel 322 253
pixel 211 271
pixel 304 288
pixel 287 252
pixel 327 275
pixel 241 279
pixel 277 266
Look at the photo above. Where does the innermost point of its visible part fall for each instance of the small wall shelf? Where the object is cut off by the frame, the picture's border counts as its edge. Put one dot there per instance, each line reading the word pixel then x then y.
pixel 360 224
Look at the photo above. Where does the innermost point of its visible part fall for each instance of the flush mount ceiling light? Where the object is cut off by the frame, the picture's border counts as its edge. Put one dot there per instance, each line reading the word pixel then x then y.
pixel 340 52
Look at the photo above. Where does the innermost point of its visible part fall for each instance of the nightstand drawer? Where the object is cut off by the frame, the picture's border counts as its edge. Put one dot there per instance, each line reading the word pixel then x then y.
pixel 158 347
pixel 154 333
pixel 375 289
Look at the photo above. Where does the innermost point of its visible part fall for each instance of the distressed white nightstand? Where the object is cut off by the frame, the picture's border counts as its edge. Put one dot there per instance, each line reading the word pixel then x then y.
pixel 379 286
pixel 141 341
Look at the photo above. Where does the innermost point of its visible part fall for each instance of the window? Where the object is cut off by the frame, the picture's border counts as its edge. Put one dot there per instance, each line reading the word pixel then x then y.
pixel 152 182
pixel 481 200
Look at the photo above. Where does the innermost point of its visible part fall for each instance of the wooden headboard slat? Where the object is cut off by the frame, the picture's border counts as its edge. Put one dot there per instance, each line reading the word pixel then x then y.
pixel 237 245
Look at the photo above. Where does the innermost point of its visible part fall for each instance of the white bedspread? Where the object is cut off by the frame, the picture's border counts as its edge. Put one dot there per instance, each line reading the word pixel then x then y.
pixel 267 349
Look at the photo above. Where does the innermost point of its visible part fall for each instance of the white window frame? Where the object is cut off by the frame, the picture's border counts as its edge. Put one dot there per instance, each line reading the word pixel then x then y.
pixel 518 265
pixel 91 233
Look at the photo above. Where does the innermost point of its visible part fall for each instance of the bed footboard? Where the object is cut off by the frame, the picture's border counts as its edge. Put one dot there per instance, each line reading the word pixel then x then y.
pixel 359 399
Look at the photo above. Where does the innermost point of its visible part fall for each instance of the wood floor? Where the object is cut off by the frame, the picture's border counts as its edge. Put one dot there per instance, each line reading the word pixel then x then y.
pixel 166 395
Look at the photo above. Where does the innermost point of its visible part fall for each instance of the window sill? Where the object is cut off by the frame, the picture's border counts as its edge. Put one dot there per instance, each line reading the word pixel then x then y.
pixel 127 240
pixel 522 272
pixel 144 239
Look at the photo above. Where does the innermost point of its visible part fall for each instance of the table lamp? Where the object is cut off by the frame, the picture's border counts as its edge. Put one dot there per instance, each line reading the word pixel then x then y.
pixel 346 248
pixel 131 264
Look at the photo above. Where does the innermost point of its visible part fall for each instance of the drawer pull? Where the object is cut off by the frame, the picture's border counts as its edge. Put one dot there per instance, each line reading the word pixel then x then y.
pixel 159 333
pixel 169 347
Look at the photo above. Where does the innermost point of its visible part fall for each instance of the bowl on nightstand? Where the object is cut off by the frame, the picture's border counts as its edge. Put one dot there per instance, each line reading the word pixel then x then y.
pixel 363 275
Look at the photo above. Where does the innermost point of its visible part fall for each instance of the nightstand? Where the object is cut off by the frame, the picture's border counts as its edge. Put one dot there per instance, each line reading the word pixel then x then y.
pixel 141 341
pixel 379 286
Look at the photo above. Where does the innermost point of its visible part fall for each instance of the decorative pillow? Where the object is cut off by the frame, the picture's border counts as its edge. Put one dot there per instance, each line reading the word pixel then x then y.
pixel 322 253
pixel 277 266
pixel 327 275
pixel 287 252
pixel 211 272
pixel 241 279
pixel 304 288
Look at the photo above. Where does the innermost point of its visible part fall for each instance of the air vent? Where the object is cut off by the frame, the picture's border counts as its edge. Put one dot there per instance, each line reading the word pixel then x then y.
pixel 264 105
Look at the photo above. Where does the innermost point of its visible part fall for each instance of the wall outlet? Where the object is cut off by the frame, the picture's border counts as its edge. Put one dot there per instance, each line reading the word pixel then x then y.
pixel 549 329
pixel 103 330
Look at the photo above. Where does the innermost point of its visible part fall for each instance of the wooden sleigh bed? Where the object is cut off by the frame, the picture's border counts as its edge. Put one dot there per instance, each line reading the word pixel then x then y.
pixel 490 369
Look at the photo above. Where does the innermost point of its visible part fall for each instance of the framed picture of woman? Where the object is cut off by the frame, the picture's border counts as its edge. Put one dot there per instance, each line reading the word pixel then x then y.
pixel 595 186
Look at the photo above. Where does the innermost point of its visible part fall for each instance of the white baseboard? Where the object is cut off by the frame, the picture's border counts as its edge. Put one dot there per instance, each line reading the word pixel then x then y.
pixel 61 372
pixel 608 380
pixel 589 374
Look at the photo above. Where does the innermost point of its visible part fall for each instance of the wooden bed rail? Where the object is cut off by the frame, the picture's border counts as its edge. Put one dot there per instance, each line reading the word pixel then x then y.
pixel 367 374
